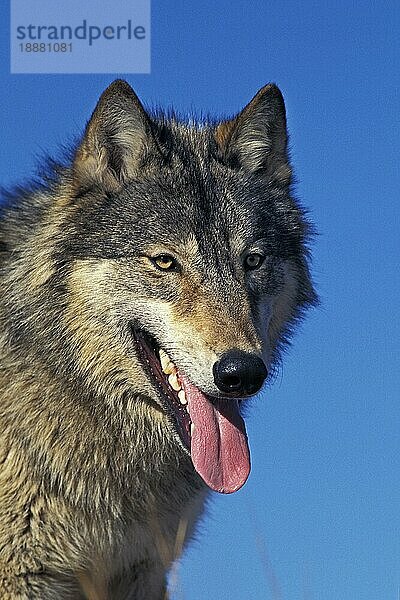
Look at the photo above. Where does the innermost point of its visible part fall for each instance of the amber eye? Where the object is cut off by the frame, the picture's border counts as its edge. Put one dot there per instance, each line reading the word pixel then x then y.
pixel 253 261
pixel 165 262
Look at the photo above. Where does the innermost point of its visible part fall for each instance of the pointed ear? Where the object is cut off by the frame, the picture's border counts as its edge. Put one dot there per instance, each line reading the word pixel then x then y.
pixel 117 140
pixel 256 139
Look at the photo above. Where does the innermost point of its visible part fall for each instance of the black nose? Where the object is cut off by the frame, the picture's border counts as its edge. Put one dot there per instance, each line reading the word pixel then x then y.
pixel 239 373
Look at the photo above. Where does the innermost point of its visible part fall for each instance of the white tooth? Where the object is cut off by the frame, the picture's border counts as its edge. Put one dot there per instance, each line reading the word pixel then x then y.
pixel 164 358
pixel 191 429
pixel 182 397
pixel 163 354
pixel 169 368
pixel 167 365
pixel 174 383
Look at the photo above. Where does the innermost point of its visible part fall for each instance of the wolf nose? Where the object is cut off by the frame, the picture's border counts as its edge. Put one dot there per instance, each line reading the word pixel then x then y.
pixel 239 373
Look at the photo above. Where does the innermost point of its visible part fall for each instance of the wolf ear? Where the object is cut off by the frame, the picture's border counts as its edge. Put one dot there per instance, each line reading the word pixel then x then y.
pixel 116 141
pixel 256 139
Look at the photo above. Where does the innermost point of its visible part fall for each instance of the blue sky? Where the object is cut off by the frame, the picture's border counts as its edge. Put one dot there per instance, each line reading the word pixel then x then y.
pixel 319 516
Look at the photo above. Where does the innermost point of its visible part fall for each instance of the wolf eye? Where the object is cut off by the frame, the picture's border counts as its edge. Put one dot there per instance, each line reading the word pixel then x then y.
pixel 165 262
pixel 253 261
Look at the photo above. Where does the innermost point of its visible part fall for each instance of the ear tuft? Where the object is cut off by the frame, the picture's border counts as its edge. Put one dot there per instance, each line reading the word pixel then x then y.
pixel 256 139
pixel 117 139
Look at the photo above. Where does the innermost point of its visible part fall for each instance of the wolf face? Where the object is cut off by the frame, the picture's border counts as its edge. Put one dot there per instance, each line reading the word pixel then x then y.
pixel 189 263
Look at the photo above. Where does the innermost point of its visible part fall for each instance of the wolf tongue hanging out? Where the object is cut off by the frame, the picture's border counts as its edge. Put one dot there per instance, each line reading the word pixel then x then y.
pixel 219 448
pixel 146 288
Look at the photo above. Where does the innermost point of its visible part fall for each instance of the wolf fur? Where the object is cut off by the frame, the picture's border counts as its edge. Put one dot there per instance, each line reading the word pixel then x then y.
pixel 98 494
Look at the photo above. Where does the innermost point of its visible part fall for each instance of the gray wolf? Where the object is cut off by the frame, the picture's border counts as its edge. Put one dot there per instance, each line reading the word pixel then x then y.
pixel 148 286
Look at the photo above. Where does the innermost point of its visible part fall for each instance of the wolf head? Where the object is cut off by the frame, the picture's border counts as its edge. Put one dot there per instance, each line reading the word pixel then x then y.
pixel 186 266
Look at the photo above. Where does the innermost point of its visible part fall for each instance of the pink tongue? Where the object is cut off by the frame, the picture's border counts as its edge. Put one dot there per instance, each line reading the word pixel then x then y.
pixel 219 448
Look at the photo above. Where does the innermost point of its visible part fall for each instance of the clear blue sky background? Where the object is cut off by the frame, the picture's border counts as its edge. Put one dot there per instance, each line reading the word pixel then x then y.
pixel 319 517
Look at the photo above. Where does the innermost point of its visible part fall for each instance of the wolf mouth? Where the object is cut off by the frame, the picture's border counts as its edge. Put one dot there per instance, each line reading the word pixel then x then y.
pixel 210 428
pixel 165 374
